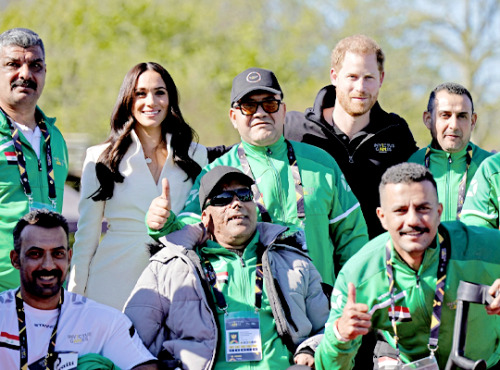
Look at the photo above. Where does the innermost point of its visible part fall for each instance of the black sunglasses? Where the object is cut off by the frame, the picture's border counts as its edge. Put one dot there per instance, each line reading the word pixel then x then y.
pixel 249 108
pixel 226 197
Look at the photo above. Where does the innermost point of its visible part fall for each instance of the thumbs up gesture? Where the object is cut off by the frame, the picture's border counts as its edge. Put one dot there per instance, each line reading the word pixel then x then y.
pixel 159 210
pixel 355 319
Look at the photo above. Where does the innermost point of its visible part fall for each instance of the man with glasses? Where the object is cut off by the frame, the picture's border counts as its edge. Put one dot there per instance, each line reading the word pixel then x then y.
pixel 33 153
pixel 248 297
pixel 296 185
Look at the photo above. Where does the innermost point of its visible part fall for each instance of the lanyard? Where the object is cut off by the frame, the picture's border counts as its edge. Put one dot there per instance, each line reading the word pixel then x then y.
pixel 438 295
pixel 463 180
pixel 219 297
pixel 23 338
pixel 299 190
pixel 21 163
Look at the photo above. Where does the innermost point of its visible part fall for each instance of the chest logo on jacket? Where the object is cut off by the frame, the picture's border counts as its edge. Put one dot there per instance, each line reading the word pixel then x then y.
pixel 384 147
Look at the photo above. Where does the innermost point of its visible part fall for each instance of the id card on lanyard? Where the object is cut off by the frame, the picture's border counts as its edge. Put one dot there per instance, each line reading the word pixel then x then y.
pixel 242 335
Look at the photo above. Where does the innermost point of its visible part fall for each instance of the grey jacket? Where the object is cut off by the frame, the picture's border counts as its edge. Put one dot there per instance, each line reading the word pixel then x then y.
pixel 170 309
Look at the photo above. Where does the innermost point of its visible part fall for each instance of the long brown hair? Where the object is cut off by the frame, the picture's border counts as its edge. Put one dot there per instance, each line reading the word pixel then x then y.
pixel 122 122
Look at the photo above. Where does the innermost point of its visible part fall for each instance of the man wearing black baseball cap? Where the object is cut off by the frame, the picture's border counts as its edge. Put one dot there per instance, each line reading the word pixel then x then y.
pixel 296 184
pixel 257 298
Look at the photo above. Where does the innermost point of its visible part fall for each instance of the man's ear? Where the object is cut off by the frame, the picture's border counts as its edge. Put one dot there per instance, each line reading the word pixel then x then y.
pixel 333 76
pixel 427 118
pixel 208 222
pixel 473 120
pixel 381 217
pixel 15 260
pixel 232 117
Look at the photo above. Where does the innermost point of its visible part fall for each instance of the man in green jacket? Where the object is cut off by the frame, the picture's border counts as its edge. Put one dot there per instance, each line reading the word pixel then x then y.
pixel 451 157
pixel 481 203
pixel 415 254
pixel 296 184
pixel 33 154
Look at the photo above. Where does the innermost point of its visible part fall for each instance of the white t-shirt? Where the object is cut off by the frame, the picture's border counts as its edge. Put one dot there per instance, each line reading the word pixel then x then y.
pixel 85 326
pixel 33 136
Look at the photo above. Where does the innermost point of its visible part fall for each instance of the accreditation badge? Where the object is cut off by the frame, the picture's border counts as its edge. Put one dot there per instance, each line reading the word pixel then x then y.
pixel 242 333
pixel 63 360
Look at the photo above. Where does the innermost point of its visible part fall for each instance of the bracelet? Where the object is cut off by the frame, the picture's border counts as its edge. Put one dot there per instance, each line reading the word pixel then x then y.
pixel 337 333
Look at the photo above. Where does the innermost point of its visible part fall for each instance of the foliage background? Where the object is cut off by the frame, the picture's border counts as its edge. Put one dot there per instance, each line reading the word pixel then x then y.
pixel 91 44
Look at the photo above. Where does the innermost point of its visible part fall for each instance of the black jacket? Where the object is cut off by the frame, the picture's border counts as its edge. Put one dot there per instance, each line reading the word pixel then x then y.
pixel 389 141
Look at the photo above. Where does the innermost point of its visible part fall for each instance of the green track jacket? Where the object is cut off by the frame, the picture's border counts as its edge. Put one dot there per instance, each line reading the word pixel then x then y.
pixel 472 259
pixel 448 170
pixel 13 201
pixel 334 225
pixel 481 203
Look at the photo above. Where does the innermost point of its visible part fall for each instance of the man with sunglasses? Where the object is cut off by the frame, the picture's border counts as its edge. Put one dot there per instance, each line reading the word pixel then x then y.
pixel 296 184
pixel 248 297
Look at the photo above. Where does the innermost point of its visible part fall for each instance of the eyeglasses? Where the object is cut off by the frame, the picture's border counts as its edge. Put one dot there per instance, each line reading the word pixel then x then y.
pixel 269 106
pixel 226 197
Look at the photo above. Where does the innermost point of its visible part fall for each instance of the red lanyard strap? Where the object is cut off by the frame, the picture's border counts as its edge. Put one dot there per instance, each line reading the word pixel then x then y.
pixel 299 190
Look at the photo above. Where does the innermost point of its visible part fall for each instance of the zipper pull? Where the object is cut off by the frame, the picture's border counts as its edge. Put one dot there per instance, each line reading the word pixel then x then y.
pixel 350 159
pixel 450 160
pixel 418 281
pixel 242 262
pixel 39 165
pixel 269 151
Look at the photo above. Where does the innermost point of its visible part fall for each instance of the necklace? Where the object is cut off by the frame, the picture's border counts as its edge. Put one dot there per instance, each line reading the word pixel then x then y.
pixel 148 160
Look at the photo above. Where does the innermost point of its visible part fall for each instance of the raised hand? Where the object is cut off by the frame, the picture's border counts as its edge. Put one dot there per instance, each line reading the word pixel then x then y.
pixel 494 307
pixel 159 210
pixel 355 319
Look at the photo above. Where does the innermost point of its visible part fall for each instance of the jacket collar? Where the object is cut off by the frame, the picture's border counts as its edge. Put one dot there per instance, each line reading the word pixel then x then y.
pixel 278 147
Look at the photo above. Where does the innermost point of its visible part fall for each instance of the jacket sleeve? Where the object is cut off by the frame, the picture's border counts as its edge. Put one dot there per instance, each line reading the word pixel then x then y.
pixel 147 309
pixel 190 214
pixel 348 229
pixel 332 353
pixel 317 310
pixel 89 225
pixel 481 204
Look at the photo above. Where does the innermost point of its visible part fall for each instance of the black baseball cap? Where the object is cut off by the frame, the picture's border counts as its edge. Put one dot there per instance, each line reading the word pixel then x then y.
pixel 210 181
pixel 254 79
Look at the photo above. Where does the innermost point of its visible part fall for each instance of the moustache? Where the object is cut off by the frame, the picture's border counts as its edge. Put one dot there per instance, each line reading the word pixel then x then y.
pixel 56 273
pixel 415 229
pixel 24 83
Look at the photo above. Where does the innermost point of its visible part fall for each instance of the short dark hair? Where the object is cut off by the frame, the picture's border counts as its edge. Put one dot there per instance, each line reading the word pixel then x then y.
pixel 452 88
pixel 406 173
pixel 22 37
pixel 39 217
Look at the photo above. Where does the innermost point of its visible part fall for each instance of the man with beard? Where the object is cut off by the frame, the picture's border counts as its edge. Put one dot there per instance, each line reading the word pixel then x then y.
pixel 42 324
pixel 348 122
pixel 404 283
pixel 296 185
pixel 451 157
pixel 33 154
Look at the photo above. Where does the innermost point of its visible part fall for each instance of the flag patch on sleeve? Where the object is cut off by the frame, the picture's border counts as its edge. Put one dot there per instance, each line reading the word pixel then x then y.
pixel 400 314
pixel 9 340
pixel 11 157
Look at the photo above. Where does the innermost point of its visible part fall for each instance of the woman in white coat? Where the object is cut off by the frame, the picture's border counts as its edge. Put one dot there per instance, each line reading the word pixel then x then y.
pixel 149 140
